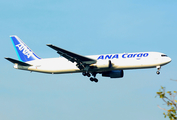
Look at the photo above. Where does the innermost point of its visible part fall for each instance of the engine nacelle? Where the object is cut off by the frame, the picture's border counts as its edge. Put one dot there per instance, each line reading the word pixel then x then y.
pixel 114 74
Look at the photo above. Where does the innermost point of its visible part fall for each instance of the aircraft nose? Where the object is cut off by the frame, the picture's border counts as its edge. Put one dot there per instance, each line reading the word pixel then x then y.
pixel 168 59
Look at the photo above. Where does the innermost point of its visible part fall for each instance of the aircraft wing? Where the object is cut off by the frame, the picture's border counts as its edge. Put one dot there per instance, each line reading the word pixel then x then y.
pixel 73 57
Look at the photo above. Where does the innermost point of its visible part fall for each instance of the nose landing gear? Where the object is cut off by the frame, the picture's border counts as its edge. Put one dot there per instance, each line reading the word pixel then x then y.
pixel 158 70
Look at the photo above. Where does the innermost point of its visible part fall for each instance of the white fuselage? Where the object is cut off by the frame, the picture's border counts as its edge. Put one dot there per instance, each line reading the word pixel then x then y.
pixel 118 62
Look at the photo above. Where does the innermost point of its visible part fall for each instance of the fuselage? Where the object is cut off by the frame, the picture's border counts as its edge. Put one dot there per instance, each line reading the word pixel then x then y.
pixel 109 65
pixel 119 61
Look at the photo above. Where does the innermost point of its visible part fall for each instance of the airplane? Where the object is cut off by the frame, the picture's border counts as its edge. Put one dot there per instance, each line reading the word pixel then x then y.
pixel 109 65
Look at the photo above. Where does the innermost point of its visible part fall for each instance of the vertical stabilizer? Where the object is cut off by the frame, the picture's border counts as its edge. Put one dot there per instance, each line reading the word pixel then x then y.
pixel 24 53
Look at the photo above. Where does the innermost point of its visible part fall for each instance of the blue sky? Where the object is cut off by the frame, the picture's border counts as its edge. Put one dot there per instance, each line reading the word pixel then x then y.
pixel 87 28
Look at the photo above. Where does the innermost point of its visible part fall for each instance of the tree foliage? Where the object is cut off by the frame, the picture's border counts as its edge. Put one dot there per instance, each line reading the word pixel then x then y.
pixel 169 99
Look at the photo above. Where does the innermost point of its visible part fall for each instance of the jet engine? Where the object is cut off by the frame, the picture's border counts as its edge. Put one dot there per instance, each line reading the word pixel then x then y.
pixel 114 74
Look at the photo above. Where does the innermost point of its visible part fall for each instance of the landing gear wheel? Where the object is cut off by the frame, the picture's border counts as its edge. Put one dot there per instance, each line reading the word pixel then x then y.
pixel 88 75
pixel 96 80
pixel 84 73
pixel 158 72
pixel 91 79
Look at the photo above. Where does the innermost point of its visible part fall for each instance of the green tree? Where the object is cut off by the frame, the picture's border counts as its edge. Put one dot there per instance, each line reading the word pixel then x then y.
pixel 169 99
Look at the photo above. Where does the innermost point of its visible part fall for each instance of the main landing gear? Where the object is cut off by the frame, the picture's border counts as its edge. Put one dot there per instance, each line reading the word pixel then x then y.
pixel 158 70
pixel 91 78
pixel 86 74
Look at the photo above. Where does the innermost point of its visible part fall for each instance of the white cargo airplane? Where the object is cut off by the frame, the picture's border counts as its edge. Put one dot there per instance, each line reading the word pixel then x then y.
pixel 109 65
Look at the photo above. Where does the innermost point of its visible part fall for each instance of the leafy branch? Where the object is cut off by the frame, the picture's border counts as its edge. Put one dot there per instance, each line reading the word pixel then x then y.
pixel 170 102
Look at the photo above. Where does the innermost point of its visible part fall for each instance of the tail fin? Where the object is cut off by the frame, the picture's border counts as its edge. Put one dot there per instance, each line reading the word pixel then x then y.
pixel 24 53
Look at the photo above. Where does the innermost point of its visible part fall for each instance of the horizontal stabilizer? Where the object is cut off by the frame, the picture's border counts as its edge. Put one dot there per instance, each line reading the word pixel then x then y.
pixel 17 62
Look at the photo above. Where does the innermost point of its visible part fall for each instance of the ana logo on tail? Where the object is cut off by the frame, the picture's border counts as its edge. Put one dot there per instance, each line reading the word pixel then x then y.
pixel 25 51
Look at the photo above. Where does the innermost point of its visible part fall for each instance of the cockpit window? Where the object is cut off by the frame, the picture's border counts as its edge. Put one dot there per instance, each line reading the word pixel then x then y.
pixel 163 55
